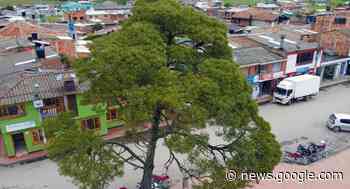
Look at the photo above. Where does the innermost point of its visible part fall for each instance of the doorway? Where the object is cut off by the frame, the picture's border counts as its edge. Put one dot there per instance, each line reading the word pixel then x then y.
pixel 347 72
pixel 72 104
pixel 19 143
pixel 329 72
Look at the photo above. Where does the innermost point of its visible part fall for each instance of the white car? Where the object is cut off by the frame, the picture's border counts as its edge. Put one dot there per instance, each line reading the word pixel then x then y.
pixel 339 122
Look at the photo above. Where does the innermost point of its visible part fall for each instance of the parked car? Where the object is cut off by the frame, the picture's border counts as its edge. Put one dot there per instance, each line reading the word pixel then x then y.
pixel 339 122
pixel 296 88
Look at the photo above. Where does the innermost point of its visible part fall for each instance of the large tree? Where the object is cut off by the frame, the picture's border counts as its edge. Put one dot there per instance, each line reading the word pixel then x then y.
pixel 169 67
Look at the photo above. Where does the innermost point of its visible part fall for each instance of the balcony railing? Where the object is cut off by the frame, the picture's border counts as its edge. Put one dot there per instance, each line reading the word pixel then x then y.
pixel 50 111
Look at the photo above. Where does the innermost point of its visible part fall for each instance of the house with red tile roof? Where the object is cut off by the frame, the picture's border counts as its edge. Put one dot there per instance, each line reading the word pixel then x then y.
pixel 25 29
pixel 255 17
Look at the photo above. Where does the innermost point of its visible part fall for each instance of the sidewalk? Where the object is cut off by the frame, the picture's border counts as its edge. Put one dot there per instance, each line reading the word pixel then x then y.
pixel 28 157
pixel 325 84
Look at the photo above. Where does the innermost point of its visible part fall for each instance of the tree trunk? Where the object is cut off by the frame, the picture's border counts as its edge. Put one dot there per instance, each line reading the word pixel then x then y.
pixel 146 182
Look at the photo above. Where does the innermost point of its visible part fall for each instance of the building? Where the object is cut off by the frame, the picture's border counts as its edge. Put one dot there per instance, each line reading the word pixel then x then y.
pixel 21 54
pixel 335 62
pixel 331 21
pixel 269 54
pixel 262 68
pixel 107 16
pixel 109 12
pixel 296 43
pixel 28 98
pixel 77 16
pixel 229 12
pixel 267 6
pixel 334 33
pixel 255 17
pixel 71 6
pixel 25 29
pixel 34 86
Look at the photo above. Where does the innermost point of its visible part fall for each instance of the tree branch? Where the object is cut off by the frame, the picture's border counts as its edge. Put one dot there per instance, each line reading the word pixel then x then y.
pixel 131 152
pixel 127 160
pixel 182 168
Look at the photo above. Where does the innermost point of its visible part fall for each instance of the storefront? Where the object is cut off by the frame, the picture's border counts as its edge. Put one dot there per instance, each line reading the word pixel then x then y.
pixel 22 138
pixel 20 133
pixel 334 70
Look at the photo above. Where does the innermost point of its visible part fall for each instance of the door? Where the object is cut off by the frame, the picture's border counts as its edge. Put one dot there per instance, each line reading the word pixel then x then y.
pixel 72 104
pixel 19 143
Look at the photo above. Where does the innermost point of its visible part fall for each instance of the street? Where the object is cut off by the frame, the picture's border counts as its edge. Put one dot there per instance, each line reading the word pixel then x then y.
pixel 306 121
pixel 302 121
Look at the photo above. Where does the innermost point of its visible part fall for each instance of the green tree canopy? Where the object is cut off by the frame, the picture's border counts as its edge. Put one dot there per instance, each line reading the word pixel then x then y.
pixel 171 66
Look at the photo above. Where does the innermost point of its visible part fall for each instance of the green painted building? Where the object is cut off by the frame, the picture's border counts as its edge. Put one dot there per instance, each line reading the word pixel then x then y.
pixel 26 99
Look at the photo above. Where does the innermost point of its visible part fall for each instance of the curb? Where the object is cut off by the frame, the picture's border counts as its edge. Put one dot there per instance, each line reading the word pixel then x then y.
pixel 334 83
pixel 21 162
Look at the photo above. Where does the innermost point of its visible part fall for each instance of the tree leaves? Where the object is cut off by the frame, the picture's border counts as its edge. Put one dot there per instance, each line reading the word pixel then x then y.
pixel 81 154
pixel 172 66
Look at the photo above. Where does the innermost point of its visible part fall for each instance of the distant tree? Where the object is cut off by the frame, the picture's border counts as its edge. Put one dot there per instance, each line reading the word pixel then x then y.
pixel 170 67
pixel 8 7
pixel 122 2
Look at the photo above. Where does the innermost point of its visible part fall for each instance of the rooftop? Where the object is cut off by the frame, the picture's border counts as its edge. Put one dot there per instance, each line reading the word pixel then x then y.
pixel 20 59
pixel 19 87
pixel 255 55
pixel 293 41
pixel 25 29
pixel 7 44
pixel 257 14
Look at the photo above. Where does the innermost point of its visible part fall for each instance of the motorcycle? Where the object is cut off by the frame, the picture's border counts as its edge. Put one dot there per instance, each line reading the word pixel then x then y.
pixel 159 182
pixel 306 154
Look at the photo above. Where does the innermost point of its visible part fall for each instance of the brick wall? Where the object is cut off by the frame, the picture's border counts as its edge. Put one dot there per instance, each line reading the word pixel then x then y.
pixel 335 41
pixel 65 47
pixel 326 23
pixel 78 16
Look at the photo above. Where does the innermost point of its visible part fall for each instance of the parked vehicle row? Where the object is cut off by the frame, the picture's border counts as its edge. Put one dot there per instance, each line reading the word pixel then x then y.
pixel 339 122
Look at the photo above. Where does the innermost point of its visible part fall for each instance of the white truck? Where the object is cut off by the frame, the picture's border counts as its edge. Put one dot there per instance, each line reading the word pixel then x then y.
pixel 296 88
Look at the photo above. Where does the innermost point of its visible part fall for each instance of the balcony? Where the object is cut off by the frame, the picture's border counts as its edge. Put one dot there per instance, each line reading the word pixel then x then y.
pixel 270 76
pixel 50 111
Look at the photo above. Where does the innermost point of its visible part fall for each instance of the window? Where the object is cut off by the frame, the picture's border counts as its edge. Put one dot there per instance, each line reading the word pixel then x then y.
pixel 346 121
pixel 281 91
pixel 93 123
pixel 12 110
pixel 112 113
pixel 276 67
pixel 340 20
pixel 305 58
pixel 38 137
pixel 51 102
pixel 263 68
